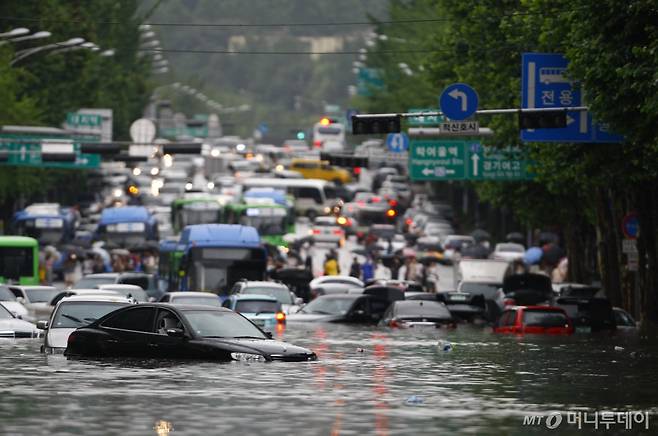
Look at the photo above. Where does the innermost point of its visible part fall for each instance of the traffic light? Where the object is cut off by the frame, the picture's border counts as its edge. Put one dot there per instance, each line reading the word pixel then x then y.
pixel 375 125
pixel 542 120
pixel 190 148
pixel 301 135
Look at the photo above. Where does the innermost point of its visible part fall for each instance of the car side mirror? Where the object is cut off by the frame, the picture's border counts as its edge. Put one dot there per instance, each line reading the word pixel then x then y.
pixel 359 312
pixel 175 333
pixel 152 300
pixel 20 300
pixel 42 325
pixel 269 335
pixel 299 301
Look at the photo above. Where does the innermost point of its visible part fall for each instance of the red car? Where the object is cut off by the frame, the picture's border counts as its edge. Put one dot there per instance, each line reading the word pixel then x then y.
pixel 546 320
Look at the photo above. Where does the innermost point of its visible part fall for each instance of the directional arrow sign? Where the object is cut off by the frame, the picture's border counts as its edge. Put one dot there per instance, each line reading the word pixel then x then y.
pixel 458 101
pixel 475 158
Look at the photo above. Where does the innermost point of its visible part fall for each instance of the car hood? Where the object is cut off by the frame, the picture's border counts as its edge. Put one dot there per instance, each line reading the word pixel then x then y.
pixel 57 338
pixel 18 327
pixel 271 349
pixel 313 317
pixel 15 307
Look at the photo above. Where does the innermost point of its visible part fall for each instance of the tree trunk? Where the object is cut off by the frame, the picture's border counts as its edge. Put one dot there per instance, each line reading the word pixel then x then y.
pixel 574 235
pixel 647 210
pixel 608 252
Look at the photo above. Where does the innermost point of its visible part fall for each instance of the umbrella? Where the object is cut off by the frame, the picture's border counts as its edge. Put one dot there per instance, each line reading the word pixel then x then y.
pixel 102 253
pixel 146 246
pixel 480 235
pixel 73 249
pixel 552 254
pixel 533 255
pixel 515 237
pixel 547 237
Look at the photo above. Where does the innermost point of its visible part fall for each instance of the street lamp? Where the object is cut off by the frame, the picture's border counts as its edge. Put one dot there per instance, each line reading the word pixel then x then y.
pixel 15 32
pixel 107 53
pixel 84 46
pixel 38 35
pixel 22 54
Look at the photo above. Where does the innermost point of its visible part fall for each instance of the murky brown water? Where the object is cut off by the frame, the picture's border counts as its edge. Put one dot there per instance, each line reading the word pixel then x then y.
pixel 367 381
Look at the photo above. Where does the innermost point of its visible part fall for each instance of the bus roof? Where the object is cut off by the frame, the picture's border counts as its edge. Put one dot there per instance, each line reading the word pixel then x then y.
pixel 115 215
pixel 182 201
pixel 254 205
pixel 18 241
pixel 220 235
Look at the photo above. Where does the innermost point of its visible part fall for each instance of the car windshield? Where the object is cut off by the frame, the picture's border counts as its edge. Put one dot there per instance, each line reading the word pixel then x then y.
pixel 41 295
pixel 328 306
pixel 93 282
pixel 4 313
pixel 488 290
pixel 411 309
pixel 6 295
pixel 204 301
pixel 211 323
pixel 256 306
pixel 71 315
pixel 514 248
pixel 544 318
pixel 282 295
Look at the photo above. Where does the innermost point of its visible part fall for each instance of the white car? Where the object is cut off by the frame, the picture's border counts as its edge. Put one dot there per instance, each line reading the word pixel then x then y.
pixel 9 301
pixel 508 251
pixel 73 312
pixel 36 299
pixel 189 297
pixel 348 280
pixel 326 229
pixel 12 327
pixel 452 243
pixel 128 291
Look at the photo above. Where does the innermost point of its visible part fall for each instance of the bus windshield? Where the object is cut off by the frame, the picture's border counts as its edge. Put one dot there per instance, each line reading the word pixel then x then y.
pixel 215 269
pixel 266 221
pixel 16 262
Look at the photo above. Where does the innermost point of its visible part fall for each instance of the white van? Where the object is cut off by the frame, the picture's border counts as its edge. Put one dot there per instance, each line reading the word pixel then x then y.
pixel 329 137
pixel 312 197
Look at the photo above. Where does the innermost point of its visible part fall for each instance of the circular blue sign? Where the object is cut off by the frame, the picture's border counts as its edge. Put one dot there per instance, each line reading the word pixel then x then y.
pixel 458 101
pixel 397 142
pixel 630 226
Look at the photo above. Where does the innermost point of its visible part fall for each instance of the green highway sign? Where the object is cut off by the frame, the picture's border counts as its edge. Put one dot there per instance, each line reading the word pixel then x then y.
pixel 29 154
pixel 434 160
pixel 424 121
pixel 76 119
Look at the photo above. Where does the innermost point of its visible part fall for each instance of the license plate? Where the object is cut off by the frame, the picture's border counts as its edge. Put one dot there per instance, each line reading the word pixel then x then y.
pixel 584 329
pixel 458 297
pixel 130 227
pixel 47 223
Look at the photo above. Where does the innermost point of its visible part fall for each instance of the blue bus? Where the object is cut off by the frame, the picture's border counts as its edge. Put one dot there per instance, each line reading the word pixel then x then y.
pixel 49 223
pixel 127 226
pixel 212 257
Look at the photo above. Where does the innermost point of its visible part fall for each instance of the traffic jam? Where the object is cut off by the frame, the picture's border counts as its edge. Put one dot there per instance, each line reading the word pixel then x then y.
pixel 212 254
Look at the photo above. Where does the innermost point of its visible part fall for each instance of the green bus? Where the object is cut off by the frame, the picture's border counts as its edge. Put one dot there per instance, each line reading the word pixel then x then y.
pixel 195 210
pixel 270 219
pixel 19 260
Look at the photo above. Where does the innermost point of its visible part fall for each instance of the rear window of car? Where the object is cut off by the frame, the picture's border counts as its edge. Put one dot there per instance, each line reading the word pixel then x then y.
pixel 544 318
pixel 257 306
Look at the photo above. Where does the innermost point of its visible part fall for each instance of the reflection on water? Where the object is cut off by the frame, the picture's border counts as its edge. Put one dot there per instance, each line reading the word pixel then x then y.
pixel 359 385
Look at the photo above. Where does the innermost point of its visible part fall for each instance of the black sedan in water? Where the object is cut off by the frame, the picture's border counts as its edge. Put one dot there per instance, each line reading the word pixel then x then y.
pixel 160 330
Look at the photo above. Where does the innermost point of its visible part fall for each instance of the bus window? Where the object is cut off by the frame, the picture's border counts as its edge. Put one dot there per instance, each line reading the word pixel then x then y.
pixel 16 262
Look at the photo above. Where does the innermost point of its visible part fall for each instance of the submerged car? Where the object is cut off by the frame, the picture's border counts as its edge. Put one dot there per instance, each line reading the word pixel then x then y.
pixel 73 312
pixel 290 303
pixel 36 299
pixel 263 310
pixel 346 308
pixel 416 313
pixel 9 301
pixel 546 320
pixel 12 327
pixel 156 330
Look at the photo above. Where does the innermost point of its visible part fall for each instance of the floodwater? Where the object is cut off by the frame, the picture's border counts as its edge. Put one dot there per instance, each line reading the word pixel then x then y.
pixel 368 380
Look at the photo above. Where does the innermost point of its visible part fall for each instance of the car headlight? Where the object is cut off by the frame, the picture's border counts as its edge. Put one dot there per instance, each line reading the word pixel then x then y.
pixel 247 357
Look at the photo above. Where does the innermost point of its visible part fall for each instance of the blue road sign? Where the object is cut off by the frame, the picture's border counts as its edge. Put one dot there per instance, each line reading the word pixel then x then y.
pixel 263 128
pixel 397 142
pixel 458 101
pixel 545 84
pixel 630 225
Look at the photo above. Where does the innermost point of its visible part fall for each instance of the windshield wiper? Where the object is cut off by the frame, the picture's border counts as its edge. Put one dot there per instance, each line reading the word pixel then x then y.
pixel 72 318
pixel 217 337
pixel 247 337
pixel 321 312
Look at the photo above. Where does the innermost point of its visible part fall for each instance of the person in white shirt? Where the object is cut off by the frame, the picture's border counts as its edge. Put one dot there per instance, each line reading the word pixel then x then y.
pixel 382 272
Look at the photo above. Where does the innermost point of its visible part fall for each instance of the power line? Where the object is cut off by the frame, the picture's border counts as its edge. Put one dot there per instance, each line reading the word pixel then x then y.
pixel 272 25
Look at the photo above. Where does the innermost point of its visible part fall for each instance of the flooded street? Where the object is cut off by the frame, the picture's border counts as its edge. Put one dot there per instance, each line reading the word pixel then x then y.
pixel 367 381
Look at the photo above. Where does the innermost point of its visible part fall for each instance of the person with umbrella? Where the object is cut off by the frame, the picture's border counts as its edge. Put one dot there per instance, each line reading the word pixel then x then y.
pixel 355 268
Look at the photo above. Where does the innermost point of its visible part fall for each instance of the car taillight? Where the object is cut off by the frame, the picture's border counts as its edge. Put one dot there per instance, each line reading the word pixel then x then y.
pixel 349 222
pixel 338 232
pixel 316 231
pixel 392 203
pixel 375 200
pixel 359 234
pixel 509 302
pixel 409 221
pixel 317 144
pixel 280 317
pixel 357 171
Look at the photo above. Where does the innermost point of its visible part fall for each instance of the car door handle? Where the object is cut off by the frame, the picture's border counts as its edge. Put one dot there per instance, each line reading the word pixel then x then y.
pixel 152 345
pixel 112 341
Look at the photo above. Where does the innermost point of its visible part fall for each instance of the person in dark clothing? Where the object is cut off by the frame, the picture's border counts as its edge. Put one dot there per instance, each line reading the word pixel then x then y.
pixel 355 269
